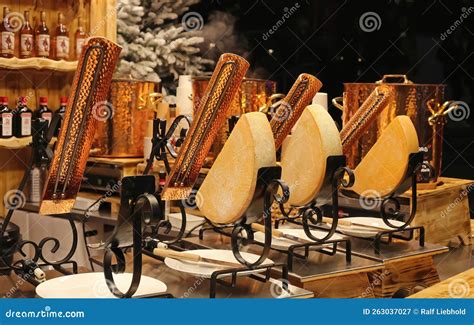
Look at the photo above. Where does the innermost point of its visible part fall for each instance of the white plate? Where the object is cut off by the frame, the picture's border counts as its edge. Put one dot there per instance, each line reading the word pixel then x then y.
pixel 205 270
pixel 284 243
pixel 364 232
pixel 192 221
pixel 93 285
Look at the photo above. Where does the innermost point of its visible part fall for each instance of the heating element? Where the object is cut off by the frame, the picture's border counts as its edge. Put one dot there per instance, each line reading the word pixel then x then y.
pixel 86 105
pixel 287 114
pixel 210 115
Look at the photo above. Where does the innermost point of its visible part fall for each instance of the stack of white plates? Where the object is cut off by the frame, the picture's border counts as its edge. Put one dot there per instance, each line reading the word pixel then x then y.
pixel 366 232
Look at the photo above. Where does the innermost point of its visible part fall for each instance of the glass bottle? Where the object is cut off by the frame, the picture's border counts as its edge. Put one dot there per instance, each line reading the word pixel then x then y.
pixel 60 111
pixel 7 36
pixel 6 119
pixel 80 38
pixel 43 111
pixel 42 38
pixel 26 37
pixel 61 40
pixel 22 117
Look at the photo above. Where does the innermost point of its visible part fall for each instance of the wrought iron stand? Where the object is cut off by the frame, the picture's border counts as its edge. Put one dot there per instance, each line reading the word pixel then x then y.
pixel 30 268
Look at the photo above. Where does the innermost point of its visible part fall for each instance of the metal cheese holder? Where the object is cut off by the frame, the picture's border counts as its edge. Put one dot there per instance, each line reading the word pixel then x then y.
pixel 390 207
pixel 29 267
pixel 311 215
pixel 142 205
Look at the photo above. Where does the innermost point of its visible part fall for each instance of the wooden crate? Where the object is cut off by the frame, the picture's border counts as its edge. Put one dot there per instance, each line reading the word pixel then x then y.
pixel 45 77
pixel 444 212
pixel 404 274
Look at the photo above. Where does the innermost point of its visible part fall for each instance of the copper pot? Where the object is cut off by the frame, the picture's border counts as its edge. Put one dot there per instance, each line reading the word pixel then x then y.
pixel 421 102
pixel 253 95
pixel 129 105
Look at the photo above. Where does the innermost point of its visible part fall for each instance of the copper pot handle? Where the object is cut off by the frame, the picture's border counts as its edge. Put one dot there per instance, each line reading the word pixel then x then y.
pixel 153 98
pixel 393 76
pixel 338 102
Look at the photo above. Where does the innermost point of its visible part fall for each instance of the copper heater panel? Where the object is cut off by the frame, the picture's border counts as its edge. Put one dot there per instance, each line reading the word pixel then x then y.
pixel 365 115
pixel 292 106
pixel 209 118
pixel 88 95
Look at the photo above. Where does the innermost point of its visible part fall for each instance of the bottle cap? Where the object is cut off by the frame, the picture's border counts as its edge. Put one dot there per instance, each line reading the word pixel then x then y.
pixel 4 100
pixel 63 100
pixel 43 100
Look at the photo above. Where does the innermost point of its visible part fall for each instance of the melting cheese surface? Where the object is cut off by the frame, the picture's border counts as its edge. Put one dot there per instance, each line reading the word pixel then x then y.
pixel 304 153
pixel 383 168
pixel 229 186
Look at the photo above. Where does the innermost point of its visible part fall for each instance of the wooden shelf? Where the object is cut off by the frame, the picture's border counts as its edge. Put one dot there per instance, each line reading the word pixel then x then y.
pixel 38 64
pixel 15 143
pixel 18 143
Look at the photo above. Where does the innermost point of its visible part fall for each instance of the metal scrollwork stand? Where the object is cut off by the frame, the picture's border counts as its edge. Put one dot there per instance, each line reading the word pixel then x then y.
pixel 390 207
pixel 29 268
pixel 266 192
pixel 310 216
pixel 141 204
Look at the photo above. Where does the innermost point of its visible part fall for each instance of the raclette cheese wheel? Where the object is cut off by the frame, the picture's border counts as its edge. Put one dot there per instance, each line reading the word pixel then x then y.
pixel 304 154
pixel 228 188
pixel 384 167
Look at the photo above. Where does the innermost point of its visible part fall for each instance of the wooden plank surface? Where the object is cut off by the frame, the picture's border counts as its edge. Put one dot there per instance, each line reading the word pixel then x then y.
pixel 458 286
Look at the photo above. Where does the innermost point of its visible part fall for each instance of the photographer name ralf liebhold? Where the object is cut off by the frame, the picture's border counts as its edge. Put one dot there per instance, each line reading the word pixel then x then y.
pixel 443 311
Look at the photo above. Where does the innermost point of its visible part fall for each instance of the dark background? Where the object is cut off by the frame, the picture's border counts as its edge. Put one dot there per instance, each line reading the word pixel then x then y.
pixel 324 38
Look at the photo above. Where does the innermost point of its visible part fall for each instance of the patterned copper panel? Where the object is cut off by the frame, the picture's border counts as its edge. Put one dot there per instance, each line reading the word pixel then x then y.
pixel 365 115
pixel 408 99
pixel 292 106
pixel 122 134
pixel 209 118
pixel 252 95
pixel 88 94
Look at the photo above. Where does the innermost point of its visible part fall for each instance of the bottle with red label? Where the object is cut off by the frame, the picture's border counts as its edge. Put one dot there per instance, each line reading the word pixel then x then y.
pixel 42 39
pixel 61 112
pixel 43 111
pixel 7 35
pixel 61 40
pixel 26 37
pixel 80 38
pixel 6 119
pixel 22 117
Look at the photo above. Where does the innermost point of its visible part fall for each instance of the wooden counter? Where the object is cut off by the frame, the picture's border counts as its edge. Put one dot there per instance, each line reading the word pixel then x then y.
pixel 458 286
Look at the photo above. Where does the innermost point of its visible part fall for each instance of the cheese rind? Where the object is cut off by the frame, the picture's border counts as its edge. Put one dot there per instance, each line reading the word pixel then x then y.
pixel 305 152
pixel 384 167
pixel 228 188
